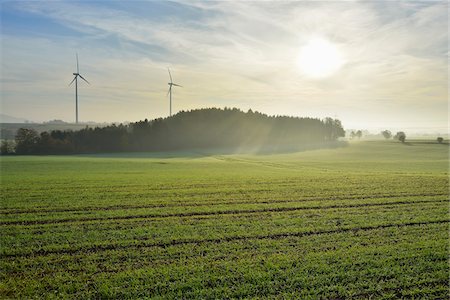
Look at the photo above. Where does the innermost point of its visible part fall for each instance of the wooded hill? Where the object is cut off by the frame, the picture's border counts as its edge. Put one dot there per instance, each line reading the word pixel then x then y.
pixel 196 129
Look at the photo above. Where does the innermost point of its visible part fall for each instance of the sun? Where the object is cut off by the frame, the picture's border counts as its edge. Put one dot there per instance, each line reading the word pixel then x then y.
pixel 319 58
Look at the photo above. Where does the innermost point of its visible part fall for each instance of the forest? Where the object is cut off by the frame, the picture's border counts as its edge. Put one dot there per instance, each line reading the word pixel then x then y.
pixel 208 128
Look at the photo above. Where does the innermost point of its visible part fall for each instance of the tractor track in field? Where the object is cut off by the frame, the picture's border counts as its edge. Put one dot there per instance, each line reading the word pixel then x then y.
pixel 255 162
pixel 212 213
pixel 275 236
pixel 13 211
pixel 399 289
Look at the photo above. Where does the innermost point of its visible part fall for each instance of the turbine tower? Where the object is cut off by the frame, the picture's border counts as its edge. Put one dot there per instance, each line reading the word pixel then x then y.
pixel 77 74
pixel 169 92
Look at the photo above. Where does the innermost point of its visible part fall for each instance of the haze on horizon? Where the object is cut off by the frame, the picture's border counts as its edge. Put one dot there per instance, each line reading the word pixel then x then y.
pixel 374 64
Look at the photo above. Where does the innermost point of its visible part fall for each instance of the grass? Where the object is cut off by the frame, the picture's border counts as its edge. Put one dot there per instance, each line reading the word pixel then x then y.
pixel 365 221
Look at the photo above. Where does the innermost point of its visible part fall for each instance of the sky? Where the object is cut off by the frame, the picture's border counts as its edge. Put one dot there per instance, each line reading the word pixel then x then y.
pixel 381 64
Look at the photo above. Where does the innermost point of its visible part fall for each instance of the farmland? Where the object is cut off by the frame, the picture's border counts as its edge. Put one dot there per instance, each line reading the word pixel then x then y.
pixel 367 220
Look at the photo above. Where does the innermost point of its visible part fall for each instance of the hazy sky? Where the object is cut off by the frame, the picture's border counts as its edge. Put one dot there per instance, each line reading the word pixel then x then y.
pixel 390 71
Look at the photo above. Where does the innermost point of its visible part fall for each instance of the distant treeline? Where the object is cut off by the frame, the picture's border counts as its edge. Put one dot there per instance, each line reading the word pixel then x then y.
pixel 196 129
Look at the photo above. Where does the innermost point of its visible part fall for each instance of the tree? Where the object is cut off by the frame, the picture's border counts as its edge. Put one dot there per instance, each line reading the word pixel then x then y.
pixel 27 141
pixel 440 140
pixel 401 136
pixel 352 135
pixel 333 129
pixel 387 134
pixel 6 147
pixel 359 134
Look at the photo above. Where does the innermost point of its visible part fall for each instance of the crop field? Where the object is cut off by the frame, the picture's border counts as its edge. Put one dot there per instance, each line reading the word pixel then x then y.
pixel 369 220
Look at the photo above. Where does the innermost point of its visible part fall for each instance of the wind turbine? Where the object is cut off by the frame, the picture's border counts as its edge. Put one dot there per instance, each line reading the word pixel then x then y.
pixel 77 74
pixel 169 92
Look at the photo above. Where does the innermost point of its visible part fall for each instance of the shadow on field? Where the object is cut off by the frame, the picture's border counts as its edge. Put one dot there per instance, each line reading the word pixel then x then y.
pixel 200 153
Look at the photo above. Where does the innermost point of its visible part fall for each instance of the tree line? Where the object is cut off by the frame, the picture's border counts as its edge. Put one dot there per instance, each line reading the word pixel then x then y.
pixel 195 129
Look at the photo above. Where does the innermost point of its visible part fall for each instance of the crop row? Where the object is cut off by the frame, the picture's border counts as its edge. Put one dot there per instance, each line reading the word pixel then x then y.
pixel 385 236
pixel 12 211
pixel 379 237
pixel 186 211
pixel 78 193
pixel 141 244
pixel 27 240
pixel 341 264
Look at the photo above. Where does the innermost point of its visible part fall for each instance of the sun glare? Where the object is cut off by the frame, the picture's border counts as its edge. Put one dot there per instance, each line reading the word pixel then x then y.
pixel 319 58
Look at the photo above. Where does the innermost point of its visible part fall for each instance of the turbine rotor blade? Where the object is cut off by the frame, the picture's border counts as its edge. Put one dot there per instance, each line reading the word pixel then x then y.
pixel 78 69
pixel 170 75
pixel 169 90
pixel 176 84
pixel 83 78
pixel 72 80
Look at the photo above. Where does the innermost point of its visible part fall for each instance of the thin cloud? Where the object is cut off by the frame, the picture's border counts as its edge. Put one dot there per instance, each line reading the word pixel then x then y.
pixel 395 53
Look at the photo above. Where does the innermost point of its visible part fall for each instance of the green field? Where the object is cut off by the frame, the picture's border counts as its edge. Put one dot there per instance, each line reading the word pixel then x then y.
pixel 365 221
